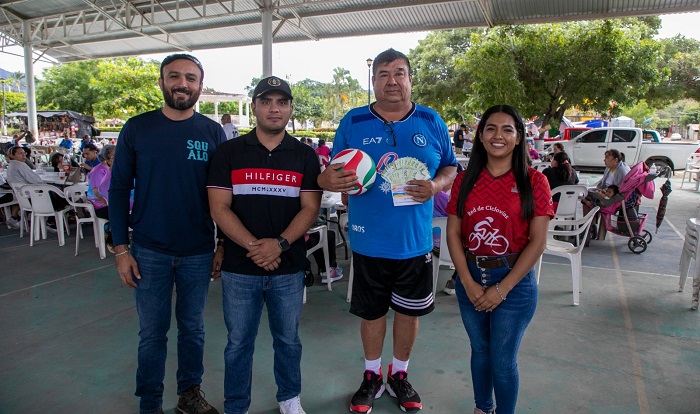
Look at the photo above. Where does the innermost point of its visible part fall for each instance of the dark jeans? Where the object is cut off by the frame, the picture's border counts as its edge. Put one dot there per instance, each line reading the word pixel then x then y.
pixel 160 273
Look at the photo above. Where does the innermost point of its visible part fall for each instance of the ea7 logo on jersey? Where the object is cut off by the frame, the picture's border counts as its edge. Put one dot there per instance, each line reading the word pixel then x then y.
pixel 372 140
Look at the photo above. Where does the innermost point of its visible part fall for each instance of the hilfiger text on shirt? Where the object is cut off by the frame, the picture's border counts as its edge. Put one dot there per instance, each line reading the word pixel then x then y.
pixel 263 181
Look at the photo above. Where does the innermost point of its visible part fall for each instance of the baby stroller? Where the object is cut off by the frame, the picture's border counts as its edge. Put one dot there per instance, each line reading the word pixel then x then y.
pixel 619 213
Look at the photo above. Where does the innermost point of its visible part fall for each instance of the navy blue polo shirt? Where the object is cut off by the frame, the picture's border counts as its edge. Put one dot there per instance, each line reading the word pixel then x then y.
pixel 266 186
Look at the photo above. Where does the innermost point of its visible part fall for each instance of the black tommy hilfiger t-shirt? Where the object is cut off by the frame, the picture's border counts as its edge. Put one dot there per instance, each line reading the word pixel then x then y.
pixel 266 186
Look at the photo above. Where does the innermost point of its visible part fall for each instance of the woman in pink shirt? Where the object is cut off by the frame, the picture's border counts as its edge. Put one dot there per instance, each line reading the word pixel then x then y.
pixel 324 153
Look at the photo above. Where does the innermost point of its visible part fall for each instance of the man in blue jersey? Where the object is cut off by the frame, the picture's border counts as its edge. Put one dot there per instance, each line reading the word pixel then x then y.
pixel 163 155
pixel 390 224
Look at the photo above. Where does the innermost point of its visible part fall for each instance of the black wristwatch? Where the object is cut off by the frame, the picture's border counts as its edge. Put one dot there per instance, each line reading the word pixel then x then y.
pixel 284 244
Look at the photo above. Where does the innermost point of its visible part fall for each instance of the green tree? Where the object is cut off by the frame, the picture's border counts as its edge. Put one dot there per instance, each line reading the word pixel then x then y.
pixel 15 102
pixel 681 66
pixel 596 65
pixel 306 106
pixel 67 87
pixel 126 87
pixel 18 80
pixel 119 87
pixel 540 69
pixel 343 94
pixel 436 81
pixel 640 112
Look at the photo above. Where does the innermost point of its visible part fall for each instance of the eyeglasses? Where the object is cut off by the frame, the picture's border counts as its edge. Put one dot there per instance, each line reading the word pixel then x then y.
pixel 388 127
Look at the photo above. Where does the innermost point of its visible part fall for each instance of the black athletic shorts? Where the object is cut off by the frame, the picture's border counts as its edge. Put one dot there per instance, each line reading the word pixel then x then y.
pixel 405 285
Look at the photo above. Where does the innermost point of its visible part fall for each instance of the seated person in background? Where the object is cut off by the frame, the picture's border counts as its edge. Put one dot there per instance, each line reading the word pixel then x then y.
pixel 557 147
pixel 336 272
pixel 56 161
pixel 559 173
pixel 18 172
pixel 13 219
pixel 468 142
pixel 615 172
pixel 90 155
pixel 98 182
pixel 532 152
pixel 15 141
pixel 27 159
pixel 323 152
pixel 66 142
pixel 609 192
pixel 86 141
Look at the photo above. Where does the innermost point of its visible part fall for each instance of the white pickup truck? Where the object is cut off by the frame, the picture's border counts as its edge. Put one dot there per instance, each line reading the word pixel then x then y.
pixel 587 151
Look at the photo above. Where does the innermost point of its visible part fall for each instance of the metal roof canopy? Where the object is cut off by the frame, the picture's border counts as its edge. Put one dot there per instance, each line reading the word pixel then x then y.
pixel 73 30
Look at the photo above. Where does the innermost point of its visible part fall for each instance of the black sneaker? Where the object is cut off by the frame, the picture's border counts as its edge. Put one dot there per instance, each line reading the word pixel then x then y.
pixel 192 402
pixel 372 387
pixel 398 387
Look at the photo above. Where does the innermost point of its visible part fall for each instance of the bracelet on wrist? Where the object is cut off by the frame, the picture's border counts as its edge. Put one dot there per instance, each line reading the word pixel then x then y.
pixel 499 293
pixel 122 253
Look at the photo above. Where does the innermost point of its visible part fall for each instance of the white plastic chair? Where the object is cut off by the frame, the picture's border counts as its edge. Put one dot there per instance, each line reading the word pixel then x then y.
pixel 322 231
pixel 77 198
pixel 445 259
pixel 540 166
pixel 566 249
pixel 569 196
pixel 692 167
pixel 39 194
pixel 25 208
pixel 6 206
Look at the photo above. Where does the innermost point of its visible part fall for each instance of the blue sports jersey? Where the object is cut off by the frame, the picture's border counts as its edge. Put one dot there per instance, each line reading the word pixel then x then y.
pixel 376 227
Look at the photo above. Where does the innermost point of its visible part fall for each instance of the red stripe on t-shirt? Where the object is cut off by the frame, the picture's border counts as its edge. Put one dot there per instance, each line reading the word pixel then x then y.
pixel 248 176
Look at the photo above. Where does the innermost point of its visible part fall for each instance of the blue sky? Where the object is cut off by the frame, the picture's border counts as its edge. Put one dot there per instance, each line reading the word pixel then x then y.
pixel 230 70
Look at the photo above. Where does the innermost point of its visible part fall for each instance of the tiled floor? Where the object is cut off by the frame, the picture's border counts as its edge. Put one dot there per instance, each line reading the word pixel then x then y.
pixel 69 336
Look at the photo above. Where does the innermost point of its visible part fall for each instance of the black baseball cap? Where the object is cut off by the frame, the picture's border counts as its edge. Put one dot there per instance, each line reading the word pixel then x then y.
pixel 272 84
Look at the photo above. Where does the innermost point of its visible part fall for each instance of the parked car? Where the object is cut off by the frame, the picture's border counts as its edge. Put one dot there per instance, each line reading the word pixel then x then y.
pixel 676 136
pixel 568 134
pixel 587 151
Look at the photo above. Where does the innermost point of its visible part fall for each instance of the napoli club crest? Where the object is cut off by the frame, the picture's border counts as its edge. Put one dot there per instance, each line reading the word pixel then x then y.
pixel 420 140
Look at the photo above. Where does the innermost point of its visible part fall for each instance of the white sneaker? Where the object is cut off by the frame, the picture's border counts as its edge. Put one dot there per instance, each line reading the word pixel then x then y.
pixel 336 274
pixel 292 406
pixel 12 222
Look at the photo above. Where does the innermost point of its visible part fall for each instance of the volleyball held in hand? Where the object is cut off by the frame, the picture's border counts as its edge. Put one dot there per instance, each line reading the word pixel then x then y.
pixel 364 167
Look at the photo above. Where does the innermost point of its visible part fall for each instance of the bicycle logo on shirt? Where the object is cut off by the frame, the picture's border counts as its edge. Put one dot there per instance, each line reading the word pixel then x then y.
pixel 484 233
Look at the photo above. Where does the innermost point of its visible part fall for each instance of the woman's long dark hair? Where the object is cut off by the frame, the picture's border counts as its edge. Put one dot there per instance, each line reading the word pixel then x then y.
pixel 479 157
pixel 564 169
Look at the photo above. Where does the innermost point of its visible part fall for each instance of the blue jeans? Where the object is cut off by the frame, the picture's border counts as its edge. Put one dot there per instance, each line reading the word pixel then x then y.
pixel 159 273
pixel 495 338
pixel 244 296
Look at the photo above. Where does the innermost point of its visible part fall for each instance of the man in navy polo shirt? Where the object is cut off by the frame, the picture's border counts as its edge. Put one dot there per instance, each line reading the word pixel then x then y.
pixel 163 155
pixel 264 196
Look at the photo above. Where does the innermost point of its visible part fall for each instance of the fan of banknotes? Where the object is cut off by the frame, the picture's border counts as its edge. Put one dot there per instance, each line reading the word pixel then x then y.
pixel 405 169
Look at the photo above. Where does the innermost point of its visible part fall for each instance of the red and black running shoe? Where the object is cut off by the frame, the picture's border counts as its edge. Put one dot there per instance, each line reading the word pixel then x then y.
pixel 372 387
pixel 398 387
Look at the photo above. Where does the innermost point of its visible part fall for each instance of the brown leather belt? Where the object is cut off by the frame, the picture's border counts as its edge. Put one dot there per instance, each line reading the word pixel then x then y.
pixel 492 262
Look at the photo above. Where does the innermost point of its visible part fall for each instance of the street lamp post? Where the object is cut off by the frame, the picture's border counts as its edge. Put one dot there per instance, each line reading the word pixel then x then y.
pixel 369 83
pixel 4 118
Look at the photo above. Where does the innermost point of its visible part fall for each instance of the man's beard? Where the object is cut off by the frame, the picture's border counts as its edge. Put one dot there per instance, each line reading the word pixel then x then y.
pixel 180 105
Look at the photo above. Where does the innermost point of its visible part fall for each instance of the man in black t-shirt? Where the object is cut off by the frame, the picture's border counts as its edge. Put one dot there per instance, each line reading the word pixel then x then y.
pixel 263 195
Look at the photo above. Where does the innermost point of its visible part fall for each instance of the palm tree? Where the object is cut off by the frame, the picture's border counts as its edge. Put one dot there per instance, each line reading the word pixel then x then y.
pixel 18 80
